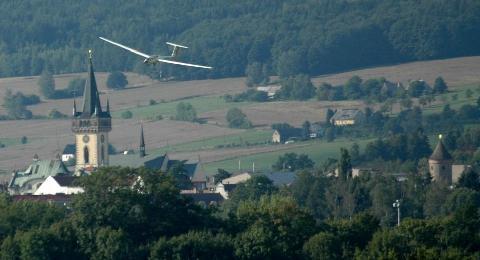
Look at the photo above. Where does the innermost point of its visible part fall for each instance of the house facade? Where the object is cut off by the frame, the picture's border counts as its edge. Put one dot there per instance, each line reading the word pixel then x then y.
pixel 59 185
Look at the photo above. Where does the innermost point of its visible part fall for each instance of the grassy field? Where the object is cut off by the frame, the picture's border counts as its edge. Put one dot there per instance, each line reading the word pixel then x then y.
pixel 456 98
pixel 247 138
pixel 48 137
pixel 167 109
pixel 317 150
pixel 10 141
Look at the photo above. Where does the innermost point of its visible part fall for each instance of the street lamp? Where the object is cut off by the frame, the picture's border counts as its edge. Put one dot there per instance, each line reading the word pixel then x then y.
pixel 396 204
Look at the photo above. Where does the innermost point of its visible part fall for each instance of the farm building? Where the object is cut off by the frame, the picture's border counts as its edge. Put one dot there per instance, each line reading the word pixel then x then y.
pixel 344 117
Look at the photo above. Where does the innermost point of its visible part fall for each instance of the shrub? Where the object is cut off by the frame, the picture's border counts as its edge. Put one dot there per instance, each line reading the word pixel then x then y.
pixel 126 114
pixel 186 112
pixel 117 80
pixel 55 114
pixel 237 119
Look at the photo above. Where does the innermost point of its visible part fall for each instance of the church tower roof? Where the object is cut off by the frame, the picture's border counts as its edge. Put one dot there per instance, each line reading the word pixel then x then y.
pixel 440 153
pixel 91 97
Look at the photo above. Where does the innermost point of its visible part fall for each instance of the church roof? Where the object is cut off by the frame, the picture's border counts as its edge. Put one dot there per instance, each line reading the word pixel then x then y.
pixel 440 153
pixel 91 97
pixel 39 169
pixel 153 161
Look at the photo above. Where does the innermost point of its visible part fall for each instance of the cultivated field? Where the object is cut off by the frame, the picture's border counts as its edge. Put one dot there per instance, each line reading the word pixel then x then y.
pixel 188 140
pixel 456 72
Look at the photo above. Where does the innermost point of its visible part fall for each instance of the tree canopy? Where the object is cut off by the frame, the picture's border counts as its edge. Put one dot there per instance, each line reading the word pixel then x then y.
pixel 289 37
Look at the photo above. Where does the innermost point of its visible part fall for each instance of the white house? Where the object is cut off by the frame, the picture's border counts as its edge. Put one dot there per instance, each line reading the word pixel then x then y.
pixel 271 90
pixel 58 185
pixel 68 152
pixel 228 185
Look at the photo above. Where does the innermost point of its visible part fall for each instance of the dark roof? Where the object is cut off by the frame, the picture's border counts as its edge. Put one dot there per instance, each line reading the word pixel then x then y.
pixel 69 149
pixel 207 198
pixel 65 181
pixel 91 97
pixel 286 133
pixel 155 163
pixel 46 198
pixel 229 187
pixel 151 161
pixel 440 153
pixel 346 114
pixel 281 178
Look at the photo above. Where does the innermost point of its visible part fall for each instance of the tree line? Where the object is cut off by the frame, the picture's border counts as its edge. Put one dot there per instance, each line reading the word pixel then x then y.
pixel 122 216
pixel 277 37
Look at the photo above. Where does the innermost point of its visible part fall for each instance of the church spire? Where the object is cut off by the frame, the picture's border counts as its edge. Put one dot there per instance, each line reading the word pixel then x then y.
pixel 91 99
pixel 142 142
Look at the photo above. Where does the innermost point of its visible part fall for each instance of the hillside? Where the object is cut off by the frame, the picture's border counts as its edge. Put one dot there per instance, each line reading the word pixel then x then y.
pixel 288 36
pixel 190 140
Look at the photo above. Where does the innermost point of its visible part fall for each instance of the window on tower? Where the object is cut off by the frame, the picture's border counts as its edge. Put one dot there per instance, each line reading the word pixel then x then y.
pixel 85 155
pixel 103 154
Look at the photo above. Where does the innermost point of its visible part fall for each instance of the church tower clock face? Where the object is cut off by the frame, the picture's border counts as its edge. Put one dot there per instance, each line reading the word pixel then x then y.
pixel 86 138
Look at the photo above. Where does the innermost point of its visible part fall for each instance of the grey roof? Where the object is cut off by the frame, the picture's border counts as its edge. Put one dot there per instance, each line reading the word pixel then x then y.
pixel 281 178
pixel 151 161
pixel 198 176
pixel 346 114
pixel 440 153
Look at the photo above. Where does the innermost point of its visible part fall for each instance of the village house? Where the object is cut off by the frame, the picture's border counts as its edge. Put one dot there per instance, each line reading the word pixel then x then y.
pixel 68 153
pixel 271 90
pixel 285 134
pixel 226 186
pixel 58 185
pixel 345 117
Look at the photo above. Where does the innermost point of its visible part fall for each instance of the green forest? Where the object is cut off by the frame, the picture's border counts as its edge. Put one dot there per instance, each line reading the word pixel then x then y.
pixel 317 217
pixel 287 37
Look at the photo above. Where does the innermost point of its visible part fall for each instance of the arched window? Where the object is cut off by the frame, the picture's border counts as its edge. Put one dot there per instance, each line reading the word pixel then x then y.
pixel 103 155
pixel 85 155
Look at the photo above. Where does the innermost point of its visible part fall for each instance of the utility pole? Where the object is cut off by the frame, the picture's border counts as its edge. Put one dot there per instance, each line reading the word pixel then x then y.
pixel 396 204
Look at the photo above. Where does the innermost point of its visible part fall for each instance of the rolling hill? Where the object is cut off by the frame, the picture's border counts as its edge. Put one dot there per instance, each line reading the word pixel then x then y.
pixel 190 140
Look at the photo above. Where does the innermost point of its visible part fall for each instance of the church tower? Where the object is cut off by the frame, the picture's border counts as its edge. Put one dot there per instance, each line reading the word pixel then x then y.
pixel 91 127
pixel 440 163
